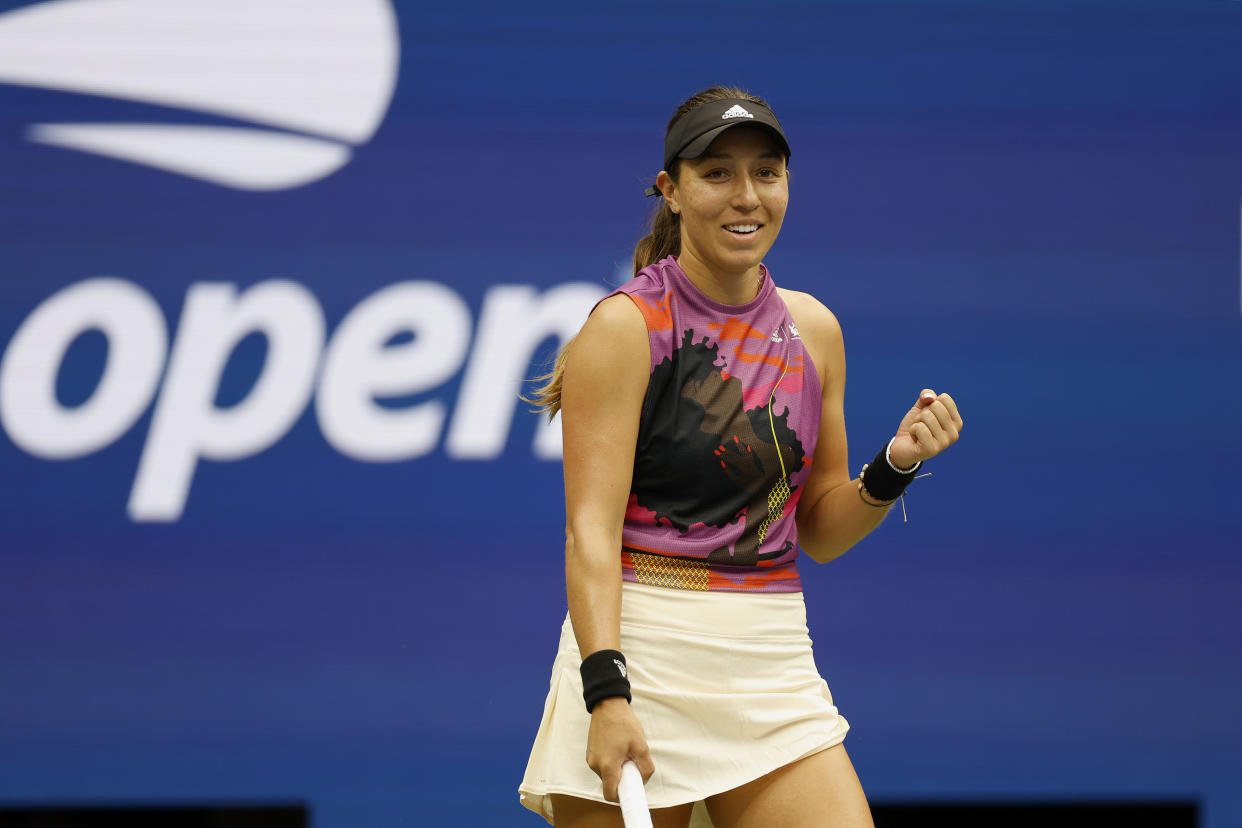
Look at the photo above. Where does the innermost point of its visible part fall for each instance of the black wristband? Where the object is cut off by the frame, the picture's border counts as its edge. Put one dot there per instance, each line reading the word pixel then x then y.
pixel 880 481
pixel 603 677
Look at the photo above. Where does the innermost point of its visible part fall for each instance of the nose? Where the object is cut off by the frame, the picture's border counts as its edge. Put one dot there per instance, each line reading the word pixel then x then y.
pixel 745 196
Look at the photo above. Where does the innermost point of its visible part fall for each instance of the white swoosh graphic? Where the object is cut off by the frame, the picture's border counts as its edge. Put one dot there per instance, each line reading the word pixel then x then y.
pixel 246 159
pixel 325 67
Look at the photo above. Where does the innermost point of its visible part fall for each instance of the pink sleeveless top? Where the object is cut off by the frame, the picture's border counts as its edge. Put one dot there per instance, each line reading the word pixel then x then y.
pixel 725 441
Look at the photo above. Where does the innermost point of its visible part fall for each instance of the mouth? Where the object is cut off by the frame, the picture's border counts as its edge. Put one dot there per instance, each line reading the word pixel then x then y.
pixel 742 229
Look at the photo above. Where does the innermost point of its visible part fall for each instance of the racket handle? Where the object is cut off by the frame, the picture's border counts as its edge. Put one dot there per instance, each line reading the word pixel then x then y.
pixel 633 798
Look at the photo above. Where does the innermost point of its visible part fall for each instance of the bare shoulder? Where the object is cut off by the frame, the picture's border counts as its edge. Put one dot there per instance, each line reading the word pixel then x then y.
pixel 613 342
pixel 616 323
pixel 617 315
pixel 817 325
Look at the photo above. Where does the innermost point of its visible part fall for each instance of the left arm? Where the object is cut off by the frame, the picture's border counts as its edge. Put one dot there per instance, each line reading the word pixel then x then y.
pixel 832 515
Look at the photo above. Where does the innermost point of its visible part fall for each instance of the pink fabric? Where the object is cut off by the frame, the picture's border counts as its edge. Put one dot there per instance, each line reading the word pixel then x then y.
pixel 712 487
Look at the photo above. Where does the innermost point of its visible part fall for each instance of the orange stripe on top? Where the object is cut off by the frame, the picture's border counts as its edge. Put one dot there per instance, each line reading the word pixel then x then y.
pixel 734 328
pixel 739 331
pixel 658 315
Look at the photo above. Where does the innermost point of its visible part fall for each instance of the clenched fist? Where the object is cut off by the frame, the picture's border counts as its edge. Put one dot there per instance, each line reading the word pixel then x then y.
pixel 928 428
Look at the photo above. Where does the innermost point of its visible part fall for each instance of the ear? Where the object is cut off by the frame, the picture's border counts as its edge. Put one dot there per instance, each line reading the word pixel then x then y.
pixel 668 188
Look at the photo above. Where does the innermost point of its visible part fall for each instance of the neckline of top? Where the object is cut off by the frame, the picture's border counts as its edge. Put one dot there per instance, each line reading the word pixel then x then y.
pixel 696 294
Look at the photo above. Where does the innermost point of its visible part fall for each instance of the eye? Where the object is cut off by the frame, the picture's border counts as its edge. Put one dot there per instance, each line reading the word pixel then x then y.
pixel 717 173
pixel 769 172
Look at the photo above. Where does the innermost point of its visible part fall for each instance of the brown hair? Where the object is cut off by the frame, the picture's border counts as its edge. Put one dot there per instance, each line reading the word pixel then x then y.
pixel 663 240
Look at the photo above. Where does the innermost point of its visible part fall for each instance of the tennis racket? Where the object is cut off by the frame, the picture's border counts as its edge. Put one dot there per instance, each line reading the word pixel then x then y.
pixel 634 811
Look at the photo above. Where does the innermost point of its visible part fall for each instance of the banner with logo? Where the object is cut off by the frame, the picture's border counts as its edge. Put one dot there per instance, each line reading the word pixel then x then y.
pixel 278 527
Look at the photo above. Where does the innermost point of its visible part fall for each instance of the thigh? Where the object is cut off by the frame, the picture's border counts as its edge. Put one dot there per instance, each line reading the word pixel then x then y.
pixel 820 791
pixel 575 812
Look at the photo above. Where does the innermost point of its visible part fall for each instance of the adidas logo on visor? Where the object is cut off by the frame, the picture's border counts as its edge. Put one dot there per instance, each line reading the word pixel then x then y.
pixel 735 111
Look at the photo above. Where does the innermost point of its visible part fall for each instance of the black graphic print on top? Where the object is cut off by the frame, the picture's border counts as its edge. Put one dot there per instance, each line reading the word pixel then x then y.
pixel 702 457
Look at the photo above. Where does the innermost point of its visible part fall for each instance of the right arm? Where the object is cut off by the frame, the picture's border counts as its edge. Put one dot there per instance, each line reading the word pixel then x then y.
pixel 606 372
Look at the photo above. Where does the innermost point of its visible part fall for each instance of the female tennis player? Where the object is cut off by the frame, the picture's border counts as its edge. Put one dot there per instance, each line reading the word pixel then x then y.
pixel 704 442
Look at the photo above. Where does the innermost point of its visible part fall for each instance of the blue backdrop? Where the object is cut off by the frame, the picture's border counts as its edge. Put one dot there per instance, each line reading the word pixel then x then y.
pixel 273 528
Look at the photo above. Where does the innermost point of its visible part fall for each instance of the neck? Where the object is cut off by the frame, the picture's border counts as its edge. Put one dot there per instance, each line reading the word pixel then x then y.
pixel 729 288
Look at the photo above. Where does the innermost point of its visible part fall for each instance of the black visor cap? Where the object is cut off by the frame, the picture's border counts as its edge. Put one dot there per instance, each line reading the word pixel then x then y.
pixel 695 131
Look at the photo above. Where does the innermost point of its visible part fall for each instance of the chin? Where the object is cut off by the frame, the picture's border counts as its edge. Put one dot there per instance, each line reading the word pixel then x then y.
pixel 743 260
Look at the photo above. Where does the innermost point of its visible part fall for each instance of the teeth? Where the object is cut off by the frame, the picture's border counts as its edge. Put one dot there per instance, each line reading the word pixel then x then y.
pixel 741 228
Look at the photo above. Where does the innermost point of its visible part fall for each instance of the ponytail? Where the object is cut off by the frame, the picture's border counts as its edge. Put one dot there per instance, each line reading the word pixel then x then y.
pixel 547 397
pixel 664 239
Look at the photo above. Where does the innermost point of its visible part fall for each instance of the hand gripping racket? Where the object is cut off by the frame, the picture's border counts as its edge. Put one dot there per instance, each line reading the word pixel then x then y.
pixel 633 798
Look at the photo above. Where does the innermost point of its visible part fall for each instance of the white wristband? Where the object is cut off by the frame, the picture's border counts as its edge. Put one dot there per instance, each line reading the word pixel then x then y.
pixel 893 466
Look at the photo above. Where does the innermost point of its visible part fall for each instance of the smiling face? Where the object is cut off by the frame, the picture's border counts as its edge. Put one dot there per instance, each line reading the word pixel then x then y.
pixel 732 201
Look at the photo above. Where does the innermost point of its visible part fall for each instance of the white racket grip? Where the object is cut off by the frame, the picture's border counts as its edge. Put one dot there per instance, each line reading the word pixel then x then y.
pixel 633 798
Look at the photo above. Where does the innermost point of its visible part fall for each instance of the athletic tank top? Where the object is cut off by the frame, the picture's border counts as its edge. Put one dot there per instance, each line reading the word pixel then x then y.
pixel 725 440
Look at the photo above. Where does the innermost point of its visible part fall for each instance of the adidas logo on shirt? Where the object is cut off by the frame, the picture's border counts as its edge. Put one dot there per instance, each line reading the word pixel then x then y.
pixel 735 111
pixel 792 330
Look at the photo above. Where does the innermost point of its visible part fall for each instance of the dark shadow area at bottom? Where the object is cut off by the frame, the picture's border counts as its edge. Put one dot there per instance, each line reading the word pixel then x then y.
pixel 1036 814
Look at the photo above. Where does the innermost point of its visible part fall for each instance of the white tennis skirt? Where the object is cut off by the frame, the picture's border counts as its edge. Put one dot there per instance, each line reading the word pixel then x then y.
pixel 724 684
